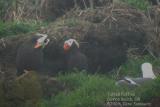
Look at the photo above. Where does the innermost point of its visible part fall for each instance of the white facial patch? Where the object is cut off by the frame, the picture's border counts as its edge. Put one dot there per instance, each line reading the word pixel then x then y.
pixel 71 41
pixel 42 38
pixel 147 71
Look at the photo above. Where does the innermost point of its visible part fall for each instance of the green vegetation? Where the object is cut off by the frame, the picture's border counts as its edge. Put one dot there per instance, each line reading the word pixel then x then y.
pixel 5 6
pixel 94 90
pixel 26 92
pixel 150 90
pixel 140 4
pixel 132 66
pixel 19 27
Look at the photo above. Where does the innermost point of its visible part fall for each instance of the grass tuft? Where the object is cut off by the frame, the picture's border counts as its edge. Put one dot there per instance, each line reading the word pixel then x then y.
pixel 19 27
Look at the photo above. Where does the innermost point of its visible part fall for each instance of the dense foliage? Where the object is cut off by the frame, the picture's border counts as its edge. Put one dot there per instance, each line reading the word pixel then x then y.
pixel 19 27
pixel 94 90
pixel 26 92
pixel 140 4
pixel 9 8
pixel 5 7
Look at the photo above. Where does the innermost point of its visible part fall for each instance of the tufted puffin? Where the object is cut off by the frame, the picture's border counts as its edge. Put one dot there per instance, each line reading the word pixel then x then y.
pixel 74 57
pixel 30 54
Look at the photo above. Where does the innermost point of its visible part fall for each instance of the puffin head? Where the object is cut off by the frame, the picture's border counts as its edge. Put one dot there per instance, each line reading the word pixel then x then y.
pixel 42 40
pixel 68 44
pixel 147 70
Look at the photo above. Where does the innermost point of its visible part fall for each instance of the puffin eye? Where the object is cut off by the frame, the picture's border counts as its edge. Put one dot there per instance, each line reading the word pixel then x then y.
pixel 45 40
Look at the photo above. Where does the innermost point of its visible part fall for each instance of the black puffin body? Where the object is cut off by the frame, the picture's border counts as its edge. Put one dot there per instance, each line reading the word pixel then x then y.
pixel 28 57
pixel 74 57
